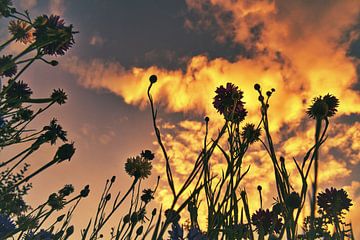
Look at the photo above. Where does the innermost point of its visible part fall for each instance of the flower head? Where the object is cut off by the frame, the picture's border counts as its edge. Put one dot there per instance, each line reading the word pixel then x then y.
pixel 138 167
pixel 52 36
pixel 323 107
pixel 147 195
pixel 293 200
pixel 147 154
pixel 53 132
pixel 228 102
pixel 65 152
pixel 66 190
pixel 59 96
pixel 250 133
pixel 21 31
pixel 265 220
pixel 5 8
pixel 18 91
pixel 8 66
pixel 196 234
pixel 6 225
pixel 333 202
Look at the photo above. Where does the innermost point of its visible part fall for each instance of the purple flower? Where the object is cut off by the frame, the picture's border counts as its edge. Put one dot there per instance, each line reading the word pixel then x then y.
pixel 6 225
pixel 333 202
pixel 228 102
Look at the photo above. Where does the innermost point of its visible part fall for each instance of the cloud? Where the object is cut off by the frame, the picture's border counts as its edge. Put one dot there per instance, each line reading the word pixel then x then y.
pixel 57 7
pixel 96 40
pixel 28 4
pixel 298 48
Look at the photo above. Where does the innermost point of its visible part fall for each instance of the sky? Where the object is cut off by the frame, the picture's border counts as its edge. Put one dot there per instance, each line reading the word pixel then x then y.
pixel 301 48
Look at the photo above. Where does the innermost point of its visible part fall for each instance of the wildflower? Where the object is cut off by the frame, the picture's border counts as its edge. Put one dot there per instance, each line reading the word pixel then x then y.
pixel 147 154
pixel 293 201
pixel 6 225
pixel 59 96
pixel 85 191
pixel 147 195
pixel 66 190
pixel 18 91
pixel 53 132
pixel 56 201
pixel 257 86
pixel 176 232
pixel 21 31
pixel 5 8
pixel 23 114
pixel 323 107
pixel 196 234
pixel 228 102
pixel 333 202
pixel 172 216
pixel 138 167
pixel 52 36
pixel 65 152
pixel 8 66
pixel 265 220
pixel 69 231
pixel 250 133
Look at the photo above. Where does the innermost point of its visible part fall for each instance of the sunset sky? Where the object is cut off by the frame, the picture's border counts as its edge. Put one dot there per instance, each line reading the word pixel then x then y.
pixel 301 48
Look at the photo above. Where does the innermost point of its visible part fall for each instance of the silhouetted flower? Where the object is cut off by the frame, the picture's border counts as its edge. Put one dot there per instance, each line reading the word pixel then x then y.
pixel 19 91
pixel 147 195
pixel 65 152
pixel 23 114
pixel 6 225
pixel 85 191
pixel 147 154
pixel 172 216
pixel 5 8
pixel 228 102
pixel 52 36
pixel 138 167
pixel 21 31
pixel 176 232
pixel 59 96
pixel 66 190
pixel 265 220
pixel 53 132
pixel 250 133
pixel 56 201
pixel 293 200
pixel 196 234
pixel 8 66
pixel 333 202
pixel 139 230
pixel 323 107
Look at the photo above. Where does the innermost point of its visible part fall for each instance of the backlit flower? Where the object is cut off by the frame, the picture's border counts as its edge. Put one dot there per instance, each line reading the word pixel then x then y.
pixel 250 133
pixel 5 8
pixel 52 36
pixel 21 31
pixel 6 225
pixel 138 167
pixel 333 202
pixel 147 154
pixel 323 107
pixel 8 66
pixel 19 91
pixel 147 195
pixel 265 220
pixel 228 102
